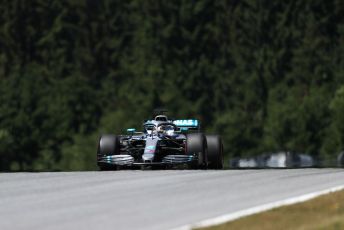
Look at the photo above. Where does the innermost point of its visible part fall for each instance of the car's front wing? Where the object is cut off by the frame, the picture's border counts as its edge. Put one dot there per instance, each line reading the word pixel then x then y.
pixel 128 160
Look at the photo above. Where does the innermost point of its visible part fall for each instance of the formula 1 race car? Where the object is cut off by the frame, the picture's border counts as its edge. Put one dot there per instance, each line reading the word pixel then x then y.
pixel 163 143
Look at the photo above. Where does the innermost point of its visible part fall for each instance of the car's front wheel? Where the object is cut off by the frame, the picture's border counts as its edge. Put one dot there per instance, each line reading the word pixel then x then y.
pixel 196 145
pixel 108 145
pixel 215 152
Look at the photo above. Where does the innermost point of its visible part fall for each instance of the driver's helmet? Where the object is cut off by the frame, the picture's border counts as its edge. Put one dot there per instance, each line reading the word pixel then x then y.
pixel 166 129
pixel 149 129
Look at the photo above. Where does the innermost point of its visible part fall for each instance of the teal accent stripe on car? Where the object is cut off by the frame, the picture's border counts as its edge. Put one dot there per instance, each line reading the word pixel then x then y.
pixel 186 123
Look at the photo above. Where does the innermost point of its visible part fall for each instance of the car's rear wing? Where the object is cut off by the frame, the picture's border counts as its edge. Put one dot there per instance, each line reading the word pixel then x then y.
pixel 187 124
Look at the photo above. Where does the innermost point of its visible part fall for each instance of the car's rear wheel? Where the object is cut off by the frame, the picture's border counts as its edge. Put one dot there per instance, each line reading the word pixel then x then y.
pixel 196 145
pixel 215 152
pixel 107 145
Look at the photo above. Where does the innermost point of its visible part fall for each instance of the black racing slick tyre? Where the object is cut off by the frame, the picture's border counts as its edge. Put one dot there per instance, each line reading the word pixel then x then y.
pixel 196 145
pixel 107 145
pixel 215 152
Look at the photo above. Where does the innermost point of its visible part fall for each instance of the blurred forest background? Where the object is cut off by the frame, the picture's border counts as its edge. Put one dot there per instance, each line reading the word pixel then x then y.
pixel 266 75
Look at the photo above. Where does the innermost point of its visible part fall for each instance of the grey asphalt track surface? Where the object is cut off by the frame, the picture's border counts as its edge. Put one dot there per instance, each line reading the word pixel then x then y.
pixel 146 199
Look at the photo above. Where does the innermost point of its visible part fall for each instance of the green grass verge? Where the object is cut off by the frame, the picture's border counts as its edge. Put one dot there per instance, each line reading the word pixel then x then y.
pixel 323 212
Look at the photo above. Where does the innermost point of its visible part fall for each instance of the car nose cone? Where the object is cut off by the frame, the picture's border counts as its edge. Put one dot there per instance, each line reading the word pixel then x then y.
pixel 147 157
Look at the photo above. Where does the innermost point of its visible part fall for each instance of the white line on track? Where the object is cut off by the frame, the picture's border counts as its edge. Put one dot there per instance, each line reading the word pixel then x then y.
pixel 261 208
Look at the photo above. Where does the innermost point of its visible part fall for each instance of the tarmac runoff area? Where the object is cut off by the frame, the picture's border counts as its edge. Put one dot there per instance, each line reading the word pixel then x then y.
pixel 173 199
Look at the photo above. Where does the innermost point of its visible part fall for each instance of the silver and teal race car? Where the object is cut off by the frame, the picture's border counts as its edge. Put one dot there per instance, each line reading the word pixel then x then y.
pixel 163 143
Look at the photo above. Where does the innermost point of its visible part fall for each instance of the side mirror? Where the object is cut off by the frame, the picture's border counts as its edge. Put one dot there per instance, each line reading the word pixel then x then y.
pixel 131 131
pixel 183 129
